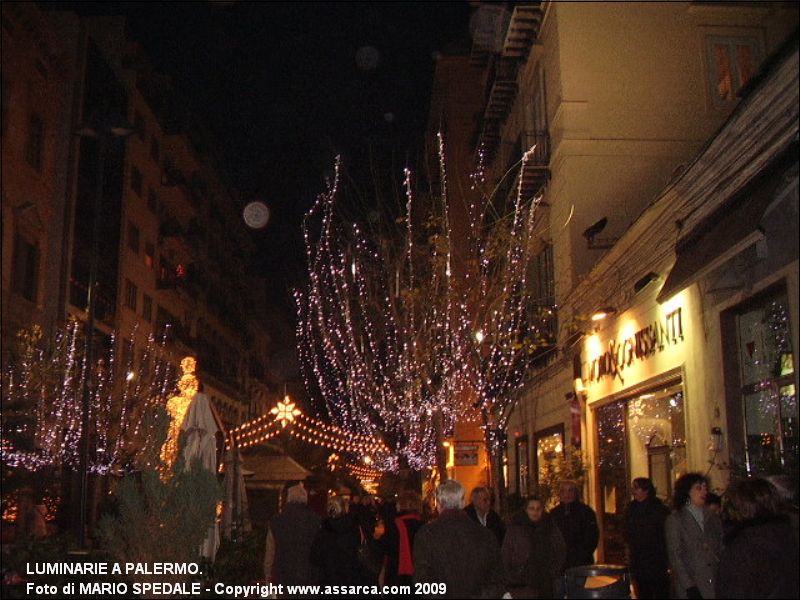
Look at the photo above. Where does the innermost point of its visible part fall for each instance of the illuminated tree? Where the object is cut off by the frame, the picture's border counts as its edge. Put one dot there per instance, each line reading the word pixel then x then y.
pixel 42 386
pixel 400 341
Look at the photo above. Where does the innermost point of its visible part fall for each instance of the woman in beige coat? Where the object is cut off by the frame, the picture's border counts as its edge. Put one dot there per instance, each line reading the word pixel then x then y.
pixel 694 539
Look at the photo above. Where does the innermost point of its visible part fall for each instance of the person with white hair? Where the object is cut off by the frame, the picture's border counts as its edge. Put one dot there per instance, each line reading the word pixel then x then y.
pixel 287 558
pixel 454 557
pixel 480 510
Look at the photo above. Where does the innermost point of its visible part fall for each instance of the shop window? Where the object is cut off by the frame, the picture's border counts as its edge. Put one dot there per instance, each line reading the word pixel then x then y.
pixel 656 437
pixel 25 274
pixel 642 435
pixel 34 144
pixel 768 394
pixel 549 446
pixel 732 63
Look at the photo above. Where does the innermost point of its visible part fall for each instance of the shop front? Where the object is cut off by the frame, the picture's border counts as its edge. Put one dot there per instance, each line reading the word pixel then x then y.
pixel 634 374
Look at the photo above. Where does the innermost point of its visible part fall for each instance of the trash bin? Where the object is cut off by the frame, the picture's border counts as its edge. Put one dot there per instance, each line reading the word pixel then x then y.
pixel 598 581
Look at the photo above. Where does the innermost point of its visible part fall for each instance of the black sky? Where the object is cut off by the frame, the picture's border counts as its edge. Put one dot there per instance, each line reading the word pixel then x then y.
pixel 282 90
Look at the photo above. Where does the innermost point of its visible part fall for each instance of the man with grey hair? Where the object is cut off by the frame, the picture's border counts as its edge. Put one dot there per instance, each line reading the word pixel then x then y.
pixel 577 523
pixel 480 511
pixel 455 556
pixel 287 559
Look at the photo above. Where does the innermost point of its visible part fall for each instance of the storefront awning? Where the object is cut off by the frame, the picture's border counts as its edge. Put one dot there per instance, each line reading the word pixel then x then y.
pixel 731 229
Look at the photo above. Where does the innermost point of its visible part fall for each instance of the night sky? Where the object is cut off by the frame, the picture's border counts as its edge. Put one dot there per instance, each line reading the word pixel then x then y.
pixel 284 87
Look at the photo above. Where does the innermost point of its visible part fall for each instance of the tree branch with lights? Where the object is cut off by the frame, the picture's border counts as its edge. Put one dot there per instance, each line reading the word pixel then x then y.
pixel 405 330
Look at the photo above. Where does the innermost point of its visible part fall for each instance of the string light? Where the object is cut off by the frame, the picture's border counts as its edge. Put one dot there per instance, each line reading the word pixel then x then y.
pixel 177 405
pixel 386 328
pixel 44 383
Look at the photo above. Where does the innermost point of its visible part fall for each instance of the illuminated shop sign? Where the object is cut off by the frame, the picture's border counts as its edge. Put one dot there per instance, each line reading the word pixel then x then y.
pixel 643 344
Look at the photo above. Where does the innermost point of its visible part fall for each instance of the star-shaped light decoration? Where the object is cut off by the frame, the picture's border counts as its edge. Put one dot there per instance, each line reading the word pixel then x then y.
pixel 285 412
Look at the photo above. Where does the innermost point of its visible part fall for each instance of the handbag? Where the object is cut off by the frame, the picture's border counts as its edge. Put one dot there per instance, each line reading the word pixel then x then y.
pixel 366 557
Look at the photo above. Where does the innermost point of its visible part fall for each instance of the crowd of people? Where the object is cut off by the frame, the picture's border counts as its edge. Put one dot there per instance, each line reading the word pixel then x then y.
pixel 749 550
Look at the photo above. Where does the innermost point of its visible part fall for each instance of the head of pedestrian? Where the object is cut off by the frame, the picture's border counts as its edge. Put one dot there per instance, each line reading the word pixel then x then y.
pixel 335 507
pixel 409 501
pixel 752 498
pixel 481 499
pixel 450 495
pixel 568 491
pixel 690 489
pixel 642 489
pixel 296 493
pixel 534 508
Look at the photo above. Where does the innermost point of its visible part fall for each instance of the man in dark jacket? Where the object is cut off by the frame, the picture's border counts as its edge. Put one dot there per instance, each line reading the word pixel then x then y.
pixel 578 525
pixel 645 520
pixel 287 559
pixel 480 511
pixel 455 557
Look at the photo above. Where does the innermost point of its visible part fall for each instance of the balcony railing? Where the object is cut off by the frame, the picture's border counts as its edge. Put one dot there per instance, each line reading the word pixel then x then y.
pixel 536 170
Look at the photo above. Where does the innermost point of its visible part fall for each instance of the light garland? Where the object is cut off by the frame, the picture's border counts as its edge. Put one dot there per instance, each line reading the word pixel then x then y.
pixel 285 416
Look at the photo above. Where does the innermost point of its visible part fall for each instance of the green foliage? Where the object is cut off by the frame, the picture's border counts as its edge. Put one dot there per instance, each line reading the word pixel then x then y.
pixel 570 465
pixel 157 520
pixel 161 520
pixel 240 563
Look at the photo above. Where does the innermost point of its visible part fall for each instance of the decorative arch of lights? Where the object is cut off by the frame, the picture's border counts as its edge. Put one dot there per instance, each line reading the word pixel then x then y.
pixel 285 416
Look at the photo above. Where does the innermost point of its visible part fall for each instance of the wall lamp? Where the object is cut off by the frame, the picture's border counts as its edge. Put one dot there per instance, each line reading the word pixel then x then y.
pixel 602 313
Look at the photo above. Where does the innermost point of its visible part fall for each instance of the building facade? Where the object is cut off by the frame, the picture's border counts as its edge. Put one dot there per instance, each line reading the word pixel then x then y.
pixel 172 253
pixel 37 82
pixel 636 116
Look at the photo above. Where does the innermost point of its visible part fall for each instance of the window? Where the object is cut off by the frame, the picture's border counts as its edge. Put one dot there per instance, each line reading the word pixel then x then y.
pixel 147 307
pixel 152 201
pixel 133 238
pixel 138 125
pixel 768 395
pixel 155 149
pixel 25 274
pixel 136 181
pixel 549 447
pixel 34 145
pixel 641 435
pixel 131 292
pixel 732 62
pixel 149 255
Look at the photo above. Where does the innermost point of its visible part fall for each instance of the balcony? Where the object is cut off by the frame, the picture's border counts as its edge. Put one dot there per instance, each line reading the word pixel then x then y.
pixel 502 90
pixel 536 170
pixel 523 29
